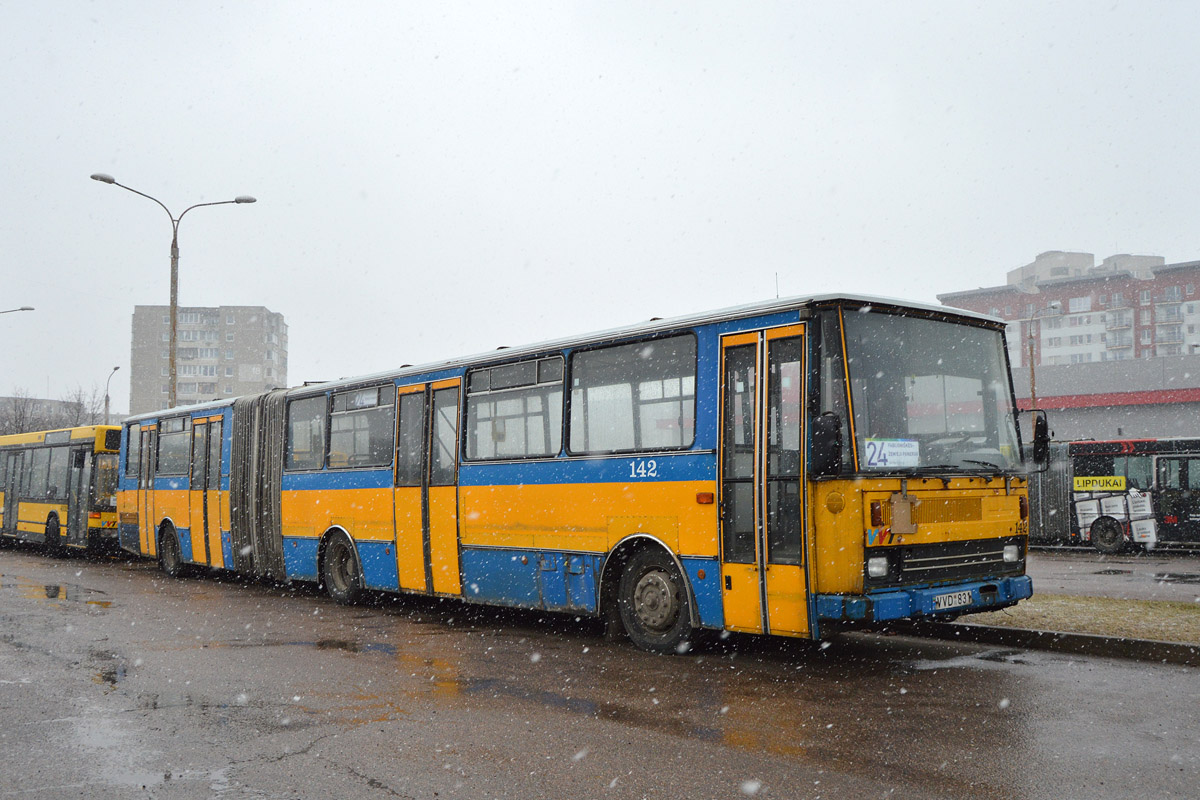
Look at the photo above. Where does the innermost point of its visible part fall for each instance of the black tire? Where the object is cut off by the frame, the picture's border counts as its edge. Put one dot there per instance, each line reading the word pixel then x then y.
pixel 170 555
pixel 653 603
pixel 340 571
pixel 1108 536
pixel 54 541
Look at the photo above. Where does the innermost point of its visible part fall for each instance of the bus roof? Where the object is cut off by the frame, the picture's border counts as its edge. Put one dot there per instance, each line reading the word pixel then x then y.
pixel 656 325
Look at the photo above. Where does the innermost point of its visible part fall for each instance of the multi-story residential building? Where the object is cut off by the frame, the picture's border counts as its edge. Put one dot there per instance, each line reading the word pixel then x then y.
pixel 1065 312
pixel 222 352
pixel 1062 313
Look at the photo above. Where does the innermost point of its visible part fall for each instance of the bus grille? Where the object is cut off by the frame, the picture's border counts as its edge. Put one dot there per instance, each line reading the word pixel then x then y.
pixel 930 512
pixel 947 562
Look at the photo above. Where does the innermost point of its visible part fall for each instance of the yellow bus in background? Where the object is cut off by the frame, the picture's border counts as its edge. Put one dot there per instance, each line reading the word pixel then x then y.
pixel 59 488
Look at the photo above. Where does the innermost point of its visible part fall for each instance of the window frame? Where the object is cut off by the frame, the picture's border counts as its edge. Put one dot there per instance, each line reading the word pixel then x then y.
pixel 319 462
pixel 385 398
pixel 466 395
pixel 599 346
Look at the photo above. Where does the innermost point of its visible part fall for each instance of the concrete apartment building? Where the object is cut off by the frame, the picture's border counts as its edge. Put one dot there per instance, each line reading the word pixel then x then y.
pixel 223 352
pixel 1112 349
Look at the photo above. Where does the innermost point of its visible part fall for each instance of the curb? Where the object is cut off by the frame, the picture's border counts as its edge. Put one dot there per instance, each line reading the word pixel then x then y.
pixel 1187 655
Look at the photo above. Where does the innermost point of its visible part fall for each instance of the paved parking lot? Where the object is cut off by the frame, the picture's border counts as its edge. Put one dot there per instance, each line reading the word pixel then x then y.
pixel 1144 576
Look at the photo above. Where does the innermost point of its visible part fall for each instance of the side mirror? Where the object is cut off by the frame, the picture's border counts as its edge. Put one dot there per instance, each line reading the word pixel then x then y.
pixel 825 455
pixel 1041 438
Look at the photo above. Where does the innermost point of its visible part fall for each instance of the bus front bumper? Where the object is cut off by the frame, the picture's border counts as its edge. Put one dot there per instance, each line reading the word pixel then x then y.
pixel 936 601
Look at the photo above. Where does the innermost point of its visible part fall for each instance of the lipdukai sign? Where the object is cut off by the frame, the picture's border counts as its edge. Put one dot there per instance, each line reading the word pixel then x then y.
pixel 1100 483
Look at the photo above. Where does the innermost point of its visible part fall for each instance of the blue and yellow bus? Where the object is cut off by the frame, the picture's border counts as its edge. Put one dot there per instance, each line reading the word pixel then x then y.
pixel 783 468
pixel 59 487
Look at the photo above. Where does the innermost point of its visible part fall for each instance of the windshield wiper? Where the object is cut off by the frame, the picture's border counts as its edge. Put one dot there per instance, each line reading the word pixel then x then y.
pixel 987 464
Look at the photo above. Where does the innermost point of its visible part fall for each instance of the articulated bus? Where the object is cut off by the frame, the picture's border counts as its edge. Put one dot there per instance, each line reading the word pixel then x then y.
pixel 59 488
pixel 1118 495
pixel 781 468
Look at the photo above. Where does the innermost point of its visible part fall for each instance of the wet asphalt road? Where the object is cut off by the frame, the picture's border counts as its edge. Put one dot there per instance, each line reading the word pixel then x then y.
pixel 116 682
pixel 1143 576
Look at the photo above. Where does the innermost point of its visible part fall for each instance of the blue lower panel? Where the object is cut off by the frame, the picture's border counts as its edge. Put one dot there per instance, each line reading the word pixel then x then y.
pixel 379 565
pixel 185 543
pixel 906 603
pixel 227 548
pixel 707 590
pixel 127 535
pixel 300 558
pixel 528 579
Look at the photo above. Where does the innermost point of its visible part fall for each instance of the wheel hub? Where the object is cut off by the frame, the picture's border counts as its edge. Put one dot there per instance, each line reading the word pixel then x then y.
pixel 654 601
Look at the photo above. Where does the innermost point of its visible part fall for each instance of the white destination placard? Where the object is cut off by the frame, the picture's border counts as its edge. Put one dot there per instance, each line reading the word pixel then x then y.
pixel 882 453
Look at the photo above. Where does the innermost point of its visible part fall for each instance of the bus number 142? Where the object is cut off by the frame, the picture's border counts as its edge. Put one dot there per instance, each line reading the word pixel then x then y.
pixel 643 469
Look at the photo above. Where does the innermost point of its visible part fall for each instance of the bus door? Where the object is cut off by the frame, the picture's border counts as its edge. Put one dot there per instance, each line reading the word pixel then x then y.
pixel 145 491
pixel 763 541
pixel 1177 498
pixel 204 493
pixel 12 488
pixel 426 499
pixel 78 484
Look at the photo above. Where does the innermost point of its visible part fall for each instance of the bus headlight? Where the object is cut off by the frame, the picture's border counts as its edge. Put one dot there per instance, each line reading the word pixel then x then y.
pixel 1012 553
pixel 877 566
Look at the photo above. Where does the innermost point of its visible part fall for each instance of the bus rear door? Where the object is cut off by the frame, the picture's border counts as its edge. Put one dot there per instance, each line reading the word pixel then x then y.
pixel 12 489
pixel 205 493
pixel 78 486
pixel 145 491
pixel 426 494
pixel 763 541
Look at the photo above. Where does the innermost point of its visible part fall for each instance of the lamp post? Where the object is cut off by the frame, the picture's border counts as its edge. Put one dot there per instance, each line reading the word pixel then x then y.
pixel 174 316
pixel 22 308
pixel 1052 307
pixel 114 372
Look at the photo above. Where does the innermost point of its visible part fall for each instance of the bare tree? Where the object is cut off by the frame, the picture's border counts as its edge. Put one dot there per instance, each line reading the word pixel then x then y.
pixel 21 413
pixel 80 407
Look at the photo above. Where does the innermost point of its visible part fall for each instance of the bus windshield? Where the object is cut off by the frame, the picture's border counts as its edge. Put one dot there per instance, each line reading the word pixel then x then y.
pixel 105 488
pixel 928 395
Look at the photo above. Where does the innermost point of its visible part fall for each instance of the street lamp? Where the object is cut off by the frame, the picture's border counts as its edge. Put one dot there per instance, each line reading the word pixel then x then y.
pixel 100 176
pixel 1053 307
pixel 22 308
pixel 114 372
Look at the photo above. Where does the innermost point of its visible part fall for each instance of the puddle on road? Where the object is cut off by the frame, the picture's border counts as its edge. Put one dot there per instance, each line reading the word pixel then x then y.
pixel 1112 571
pixel 1178 577
pixel 58 592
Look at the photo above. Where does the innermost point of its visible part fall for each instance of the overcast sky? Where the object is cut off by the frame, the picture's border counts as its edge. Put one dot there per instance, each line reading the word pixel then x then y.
pixel 439 179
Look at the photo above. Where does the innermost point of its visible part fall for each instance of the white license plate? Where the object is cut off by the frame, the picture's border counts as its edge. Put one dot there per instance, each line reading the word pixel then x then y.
pixel 952 600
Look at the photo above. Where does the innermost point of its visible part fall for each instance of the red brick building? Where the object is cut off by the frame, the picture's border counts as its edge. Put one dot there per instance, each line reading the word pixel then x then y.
pixel 1115 347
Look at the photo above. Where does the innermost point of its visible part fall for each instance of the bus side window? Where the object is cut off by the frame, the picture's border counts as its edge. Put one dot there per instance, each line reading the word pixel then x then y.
pixel 1192 475
pixel 1169 473
pixel 1139 472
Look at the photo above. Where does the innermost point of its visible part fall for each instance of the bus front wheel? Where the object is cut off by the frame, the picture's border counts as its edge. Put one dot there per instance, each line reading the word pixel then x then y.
pixel 340 572
pixel 653 603
pixel 1107 536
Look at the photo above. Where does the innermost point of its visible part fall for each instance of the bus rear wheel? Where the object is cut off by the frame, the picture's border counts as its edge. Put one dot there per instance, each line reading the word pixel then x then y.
pixel 653 603
pixel 340 572
pixel 53 536
pixel 1107 536
pixel 170 557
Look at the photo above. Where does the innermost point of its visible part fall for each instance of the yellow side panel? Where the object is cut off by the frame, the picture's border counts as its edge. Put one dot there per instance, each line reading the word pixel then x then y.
pixel 443 539
pixel 197 527
pixel 742 599
pixel 787 607
pixel 364 513
pixel 410 546
pixel 216 499
pixel 589 517
pixel 173 504
pixel 31 517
